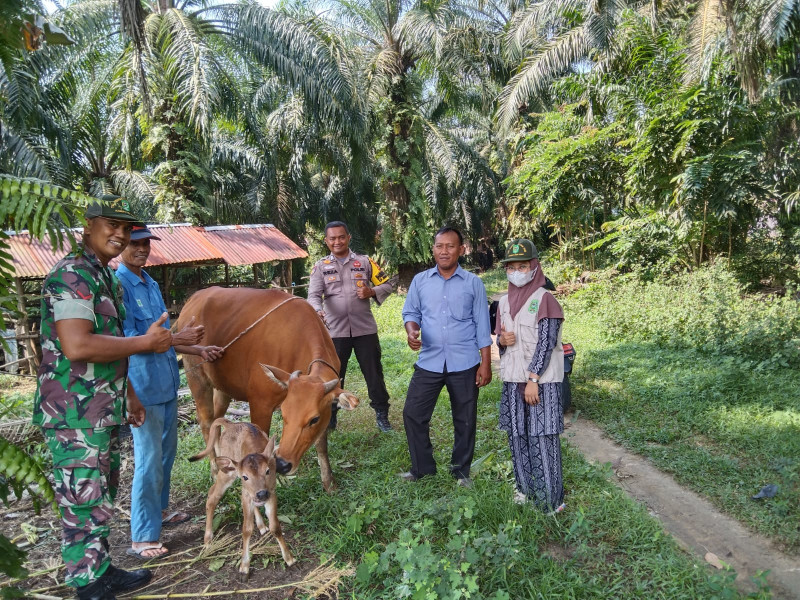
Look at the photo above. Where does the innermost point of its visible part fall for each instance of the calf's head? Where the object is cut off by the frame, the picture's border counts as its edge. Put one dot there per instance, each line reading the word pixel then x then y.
pixel 306 412
pixel 258 472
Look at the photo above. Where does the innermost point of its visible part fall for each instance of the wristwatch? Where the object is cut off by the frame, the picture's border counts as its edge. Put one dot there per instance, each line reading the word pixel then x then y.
pixel 533 380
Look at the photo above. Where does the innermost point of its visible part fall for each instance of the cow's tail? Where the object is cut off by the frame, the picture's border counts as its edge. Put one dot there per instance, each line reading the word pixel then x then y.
pixel 213 436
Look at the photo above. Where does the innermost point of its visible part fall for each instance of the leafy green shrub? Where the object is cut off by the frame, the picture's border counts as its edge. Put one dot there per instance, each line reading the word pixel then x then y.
pixel 414 567
pixel 706 310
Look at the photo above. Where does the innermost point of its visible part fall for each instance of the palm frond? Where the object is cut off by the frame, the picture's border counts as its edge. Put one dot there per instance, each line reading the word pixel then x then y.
pixel 706 29
pixel 776 24
pixel 536 72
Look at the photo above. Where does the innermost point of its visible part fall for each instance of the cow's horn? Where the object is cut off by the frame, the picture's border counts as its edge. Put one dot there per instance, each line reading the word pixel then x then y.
pixel 329 385
pixel 268 372
pixel 295 374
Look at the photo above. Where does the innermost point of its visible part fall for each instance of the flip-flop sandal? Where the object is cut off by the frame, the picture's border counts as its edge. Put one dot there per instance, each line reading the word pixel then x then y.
pixel 139 552
pixel 175 518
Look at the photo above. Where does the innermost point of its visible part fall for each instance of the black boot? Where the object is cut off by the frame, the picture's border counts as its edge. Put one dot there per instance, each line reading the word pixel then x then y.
pixel 118 580
pixel 96 590
pixel 382 419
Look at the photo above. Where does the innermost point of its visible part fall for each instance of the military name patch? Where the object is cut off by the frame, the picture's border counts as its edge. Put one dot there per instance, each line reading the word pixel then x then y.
pixel 533 306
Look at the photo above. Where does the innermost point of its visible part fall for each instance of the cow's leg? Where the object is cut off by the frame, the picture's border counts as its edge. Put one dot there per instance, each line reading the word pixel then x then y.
pixel 324 463
pixel 271 507
pixel 260 415
pixel 247 532
pixel 221 403
pixel 202 392
pixel 222 483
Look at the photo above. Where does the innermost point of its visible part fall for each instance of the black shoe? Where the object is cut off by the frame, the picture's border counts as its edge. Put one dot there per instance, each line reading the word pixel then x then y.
pixel 382 418
pixel 118 580
pixel 95 591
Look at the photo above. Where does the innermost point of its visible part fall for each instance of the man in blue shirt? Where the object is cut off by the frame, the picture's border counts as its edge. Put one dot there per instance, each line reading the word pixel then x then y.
pixel 155 379
pixel 448 305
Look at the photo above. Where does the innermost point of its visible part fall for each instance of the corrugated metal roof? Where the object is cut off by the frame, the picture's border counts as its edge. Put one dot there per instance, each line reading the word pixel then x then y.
pixel 179 244
pixel 252 244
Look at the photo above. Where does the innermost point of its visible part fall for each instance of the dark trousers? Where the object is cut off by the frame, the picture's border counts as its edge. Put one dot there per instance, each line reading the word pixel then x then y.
pixel 368 354
pixel 423 392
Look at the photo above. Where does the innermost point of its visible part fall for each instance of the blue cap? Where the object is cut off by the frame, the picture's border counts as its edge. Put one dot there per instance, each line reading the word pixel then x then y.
pixel 143 233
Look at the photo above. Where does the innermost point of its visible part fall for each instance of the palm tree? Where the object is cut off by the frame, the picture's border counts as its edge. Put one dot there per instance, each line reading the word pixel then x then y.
pixel 748 33
pixel 172 72
pixel 430 150
pixel 545 40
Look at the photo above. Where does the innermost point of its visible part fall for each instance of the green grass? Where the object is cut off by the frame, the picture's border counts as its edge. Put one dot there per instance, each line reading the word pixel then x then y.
pixel 432 539
pixel 720 428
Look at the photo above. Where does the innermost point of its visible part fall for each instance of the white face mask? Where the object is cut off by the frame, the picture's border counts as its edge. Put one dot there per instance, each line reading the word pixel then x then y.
pixel 519 278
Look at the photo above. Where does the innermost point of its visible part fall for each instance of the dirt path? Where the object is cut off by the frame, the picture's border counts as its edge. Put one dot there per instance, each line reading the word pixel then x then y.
pixel 693 521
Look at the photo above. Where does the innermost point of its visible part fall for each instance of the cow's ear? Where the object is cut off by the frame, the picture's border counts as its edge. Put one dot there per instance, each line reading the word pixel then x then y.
pixel 270 449
pixel 278 376
pixel 346 400
pixel 226 465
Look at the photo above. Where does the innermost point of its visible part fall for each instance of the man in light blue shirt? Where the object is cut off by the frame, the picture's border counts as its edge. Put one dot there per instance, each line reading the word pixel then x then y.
pixel 448 306
pixel 155 379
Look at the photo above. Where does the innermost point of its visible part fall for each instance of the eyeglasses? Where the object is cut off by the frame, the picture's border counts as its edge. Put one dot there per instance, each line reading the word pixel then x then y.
pixel 521 268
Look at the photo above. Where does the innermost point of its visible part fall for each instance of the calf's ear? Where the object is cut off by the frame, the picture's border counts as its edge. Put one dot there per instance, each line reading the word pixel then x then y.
pixel 270 449
pixel 227 465
pixel 346 400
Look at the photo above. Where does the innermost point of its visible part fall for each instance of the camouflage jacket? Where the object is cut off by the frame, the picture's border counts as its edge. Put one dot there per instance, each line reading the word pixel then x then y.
pixel 80 395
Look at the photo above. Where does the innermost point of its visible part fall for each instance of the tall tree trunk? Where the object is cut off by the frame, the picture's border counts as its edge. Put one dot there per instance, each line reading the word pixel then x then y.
pixel 703 233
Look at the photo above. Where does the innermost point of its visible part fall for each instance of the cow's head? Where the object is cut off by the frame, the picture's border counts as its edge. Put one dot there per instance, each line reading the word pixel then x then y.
pixel 258 472
pixel 306 412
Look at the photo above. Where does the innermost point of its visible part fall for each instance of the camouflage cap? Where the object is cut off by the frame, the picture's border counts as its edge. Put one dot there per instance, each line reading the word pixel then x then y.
pixel 520 249
pixel 112 207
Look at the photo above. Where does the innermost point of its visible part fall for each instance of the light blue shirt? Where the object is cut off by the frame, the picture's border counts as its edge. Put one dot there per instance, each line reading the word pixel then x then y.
pixel 453 315
pixel 154 376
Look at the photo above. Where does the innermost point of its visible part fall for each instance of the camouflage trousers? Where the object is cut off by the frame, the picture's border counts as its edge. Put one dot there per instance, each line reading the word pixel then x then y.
pixel 86 469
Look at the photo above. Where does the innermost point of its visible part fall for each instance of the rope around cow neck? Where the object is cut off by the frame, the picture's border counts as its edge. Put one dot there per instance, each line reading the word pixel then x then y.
pixel 324 362
pixel 253 324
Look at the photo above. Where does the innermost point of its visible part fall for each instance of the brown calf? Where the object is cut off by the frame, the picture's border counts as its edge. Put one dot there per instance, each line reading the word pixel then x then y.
pixel 244 450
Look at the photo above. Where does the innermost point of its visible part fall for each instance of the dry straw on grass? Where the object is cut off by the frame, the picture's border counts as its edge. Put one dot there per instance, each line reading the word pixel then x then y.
pixel 324 580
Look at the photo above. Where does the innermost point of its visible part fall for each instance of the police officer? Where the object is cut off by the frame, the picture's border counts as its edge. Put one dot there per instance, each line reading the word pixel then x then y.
pixel 81 393
pixel 340 288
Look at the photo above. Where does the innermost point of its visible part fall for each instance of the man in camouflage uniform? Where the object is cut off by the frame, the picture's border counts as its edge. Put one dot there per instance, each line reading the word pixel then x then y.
pixel 340 287
pixel 80 397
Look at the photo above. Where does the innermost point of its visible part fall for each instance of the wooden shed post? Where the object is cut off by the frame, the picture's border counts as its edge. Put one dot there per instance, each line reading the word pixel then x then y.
pixel 22 328
pixel 165 286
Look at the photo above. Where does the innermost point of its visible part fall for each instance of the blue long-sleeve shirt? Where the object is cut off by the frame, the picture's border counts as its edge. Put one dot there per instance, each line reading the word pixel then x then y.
pixel 453 315
pixel 154 376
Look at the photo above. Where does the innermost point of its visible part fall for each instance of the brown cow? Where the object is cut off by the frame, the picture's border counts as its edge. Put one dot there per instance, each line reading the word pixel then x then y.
pixel 273 334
